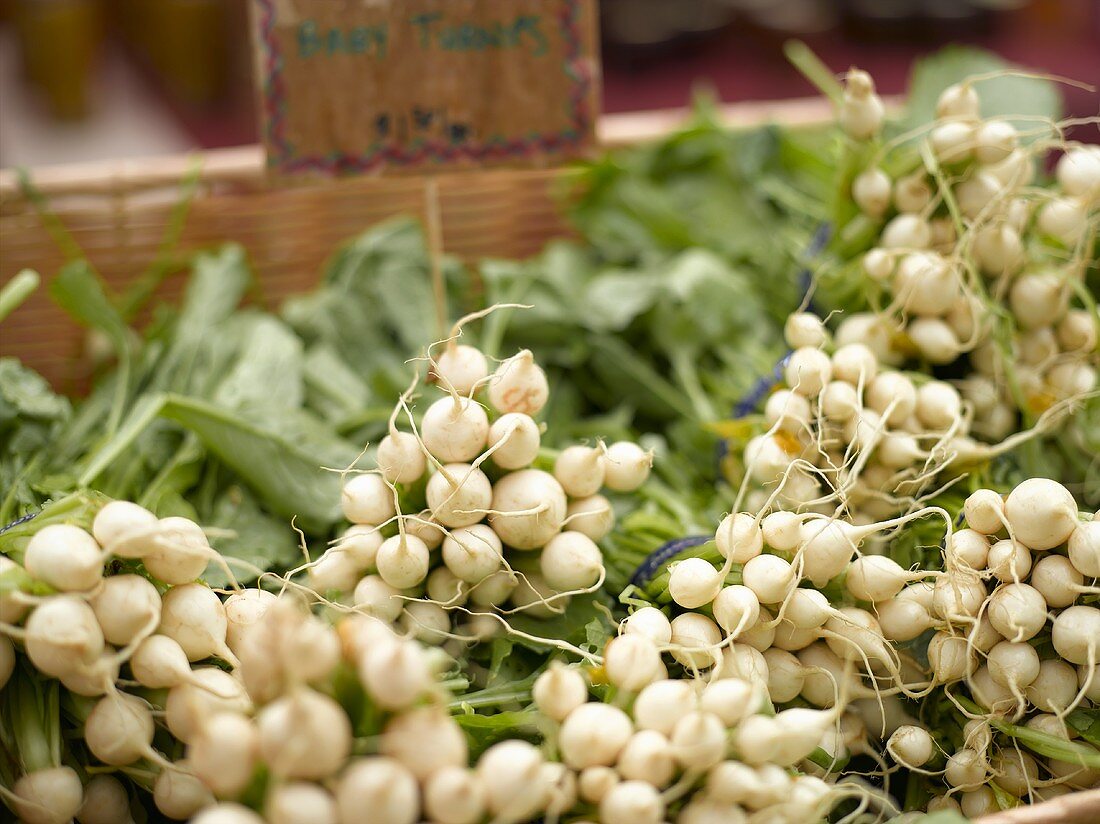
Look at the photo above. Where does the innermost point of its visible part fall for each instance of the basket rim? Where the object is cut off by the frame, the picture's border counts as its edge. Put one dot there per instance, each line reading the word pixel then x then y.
pixel 244 165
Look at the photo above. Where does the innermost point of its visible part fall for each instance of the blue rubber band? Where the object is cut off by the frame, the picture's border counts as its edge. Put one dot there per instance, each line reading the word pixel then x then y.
pixel 662 555
pixel 17 522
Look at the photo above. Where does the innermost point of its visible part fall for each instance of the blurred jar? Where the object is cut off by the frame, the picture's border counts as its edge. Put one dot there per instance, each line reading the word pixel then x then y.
pixel 59 42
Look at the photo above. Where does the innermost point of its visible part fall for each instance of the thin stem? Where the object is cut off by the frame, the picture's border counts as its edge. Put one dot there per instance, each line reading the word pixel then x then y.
pixel 17 290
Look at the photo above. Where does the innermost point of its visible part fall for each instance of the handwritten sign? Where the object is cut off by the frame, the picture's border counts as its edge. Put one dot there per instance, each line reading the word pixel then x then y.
pixel 372 86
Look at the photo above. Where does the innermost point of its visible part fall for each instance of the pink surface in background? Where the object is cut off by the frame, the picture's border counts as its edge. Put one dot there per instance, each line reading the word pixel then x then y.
pixel 749 64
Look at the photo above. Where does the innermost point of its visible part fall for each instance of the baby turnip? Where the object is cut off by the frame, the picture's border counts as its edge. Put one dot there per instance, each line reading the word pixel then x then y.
pixel 966 769
pixel 528 508
pixel 126 606
pixel 770 577
pixel 580 470
pixel 514 439
pixel 736 609
pixel 647 757
pixel 626 466
pixel 892 394
pixel 459 495
pixel 1038 299
pixel 1075 633
pixel 243 609
pixel 1084 548
pixel 1008 561
pixel 460 367
pixel 739 537
pixel 180 551
pixel 227 813
pixel 47 796
pixel 455 429
pixel 119 730
pixel 911 746
pixel 304 735
pixel 427 622
pixel 209 691
pixel 1017 611
pixel 396 674
pixel 558 691
pixel 178 792
pixel 804 329
pixel 1063 218
pixel 159 662
pixel 193 616
pixel 494 590
pixel 403 561
pixel 1078 172
pixel 788 410
pixel 959 101
pixel 906 232
pixel 780 530
pixel 105 802
pixel 695 638
pixel 454 795
pixel 377 790
pixel 661 704
pixel 938 405
pixel 984 511
pixel 519 385
pixel 444 586
pixel 594 733
pixel 472 553
pixel 1013 665
pixel 592 516
pixel 861 112
pixel 224 751
pixel 1041 513
pixel 367 499
pixel 808 370
pixel 694 582
pixel 730 699
pixel 62 635
pixel 632 662
pixel 424 740
pixel 401 458
pixel 65 557
pixel 300 802
pixel 511 774
pixel 118 519
pixel 374 597
pixel 632 802
pixel 650 623
pixel 871 191
pixel 571 561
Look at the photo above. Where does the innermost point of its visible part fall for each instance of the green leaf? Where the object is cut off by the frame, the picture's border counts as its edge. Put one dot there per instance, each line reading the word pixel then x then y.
pixel 267 376
pixel 1025 97
pixel 482 731
pixel 1087 724
pixel 264 541
pixel 288 477
pixel 569 626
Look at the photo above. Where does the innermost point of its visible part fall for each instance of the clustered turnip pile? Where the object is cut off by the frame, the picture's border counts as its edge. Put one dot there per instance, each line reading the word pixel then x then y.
pixel 793 666
pixel 973 266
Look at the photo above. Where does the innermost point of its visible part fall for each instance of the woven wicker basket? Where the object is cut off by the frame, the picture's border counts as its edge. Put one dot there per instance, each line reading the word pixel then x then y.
pixel 118 213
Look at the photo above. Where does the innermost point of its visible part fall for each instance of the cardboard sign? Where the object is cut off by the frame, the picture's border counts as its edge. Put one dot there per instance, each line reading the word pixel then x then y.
pixel 371 86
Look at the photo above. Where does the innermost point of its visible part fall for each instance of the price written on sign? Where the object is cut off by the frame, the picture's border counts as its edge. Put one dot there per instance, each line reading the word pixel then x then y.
pixel 389 86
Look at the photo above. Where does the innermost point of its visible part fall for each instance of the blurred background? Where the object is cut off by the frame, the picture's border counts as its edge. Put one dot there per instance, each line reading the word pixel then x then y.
pixel 94 79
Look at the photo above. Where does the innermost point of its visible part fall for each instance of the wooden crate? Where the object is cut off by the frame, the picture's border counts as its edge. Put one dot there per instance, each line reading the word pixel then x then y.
pixel 118 213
